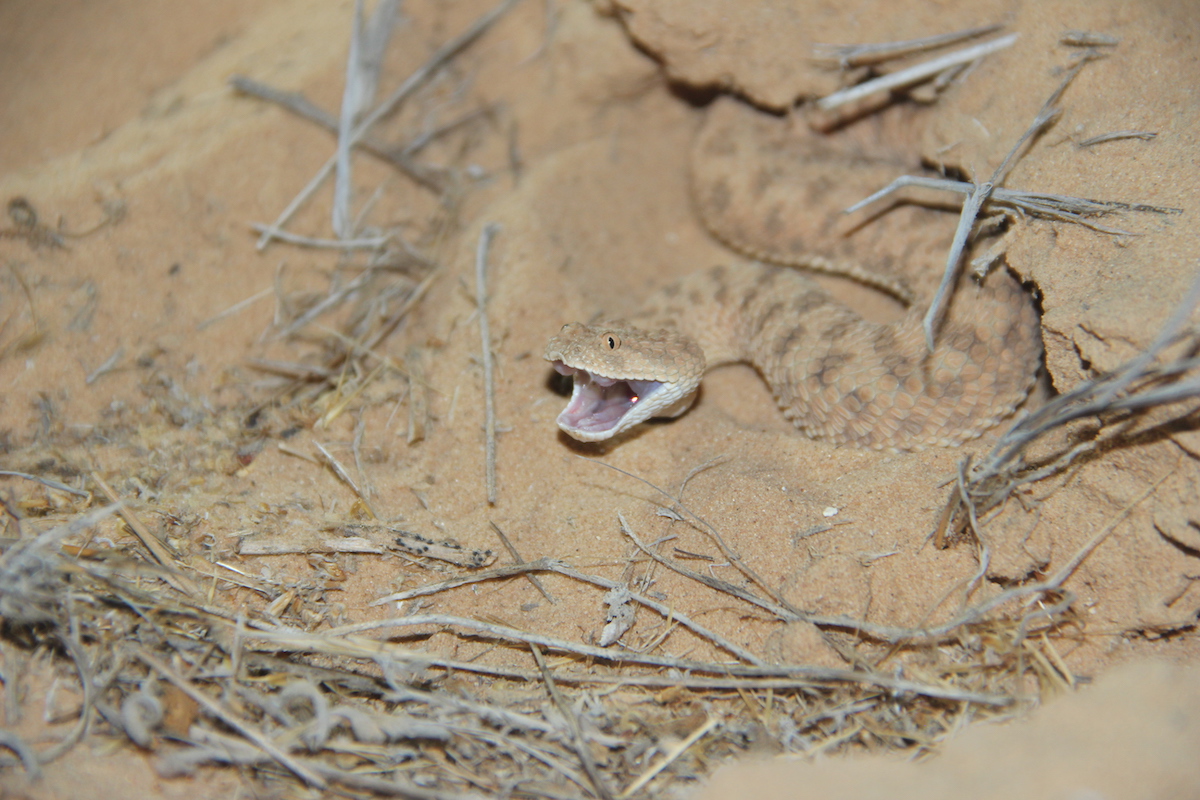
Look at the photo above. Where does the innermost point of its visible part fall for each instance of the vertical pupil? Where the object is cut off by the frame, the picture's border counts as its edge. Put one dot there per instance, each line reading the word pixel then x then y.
pixel 612 345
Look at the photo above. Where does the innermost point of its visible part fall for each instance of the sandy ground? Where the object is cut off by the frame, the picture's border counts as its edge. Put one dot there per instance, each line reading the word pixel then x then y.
pixel 125 113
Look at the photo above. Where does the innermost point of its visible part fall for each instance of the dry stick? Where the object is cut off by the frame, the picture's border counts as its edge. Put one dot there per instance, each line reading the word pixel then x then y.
pixel 732 557
pixel 363 64
pixel 369 243
pixel 915 74
pixel 159 551
pixel 1116 135
pixel 564 708
pixel 299 105
pixel 328 302
pixel 489 387
pixel 1088 39
pixel 1067 569
pixel 439 59
pixel 669 757
pixel 243 727
pixel 853 55
pixel 795 672
pixel 548 757
pixel 1039 204
pixel 352 102
pixel 108 366
pixel 745 596
pixel 27 755
pixel 980 194
pixel 73 644
pixel 233 309
pixel 516 556
pixel 732 676
pixel 1093 397
pixel 30 759
pixel 885 633
pixel 340 470
pixel 403 693
pixel 557 567
pixel 48 482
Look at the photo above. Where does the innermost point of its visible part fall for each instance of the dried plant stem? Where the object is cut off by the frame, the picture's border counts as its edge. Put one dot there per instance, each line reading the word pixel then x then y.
pixel 915 74
pixel 1064 572
pixel 489 387
pixel 800 674
pixel 299 105
pixel 559 568
pixel 1116 136
pixel 564 708
pixel 516 556
pixel 47 482
pixel 669 757
pixel 158 551
pixel 233 721
pixel 439 59
pixel 853 55
pixel 731 556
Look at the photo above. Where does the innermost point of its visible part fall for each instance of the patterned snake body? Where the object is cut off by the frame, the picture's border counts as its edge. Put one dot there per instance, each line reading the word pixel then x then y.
pixel 773 190
pixel 835 375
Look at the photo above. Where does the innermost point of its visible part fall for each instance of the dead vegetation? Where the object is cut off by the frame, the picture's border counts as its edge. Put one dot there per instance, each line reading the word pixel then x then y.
pixel 190 653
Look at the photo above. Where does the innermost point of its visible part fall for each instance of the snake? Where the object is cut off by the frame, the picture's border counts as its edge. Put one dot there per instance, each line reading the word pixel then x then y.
pixel 835 375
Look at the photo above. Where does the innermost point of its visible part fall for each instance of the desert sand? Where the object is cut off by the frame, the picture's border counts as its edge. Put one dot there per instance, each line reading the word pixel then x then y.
pixel 145 338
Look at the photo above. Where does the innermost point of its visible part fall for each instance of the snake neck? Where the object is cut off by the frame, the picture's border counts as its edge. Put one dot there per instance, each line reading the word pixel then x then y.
pixel 744 313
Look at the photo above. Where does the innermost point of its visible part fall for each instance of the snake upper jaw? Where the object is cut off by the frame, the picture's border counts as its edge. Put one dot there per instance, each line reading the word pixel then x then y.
pixel 602 407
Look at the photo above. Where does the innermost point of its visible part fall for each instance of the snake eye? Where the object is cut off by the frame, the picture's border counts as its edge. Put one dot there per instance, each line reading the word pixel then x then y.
pixel 612 341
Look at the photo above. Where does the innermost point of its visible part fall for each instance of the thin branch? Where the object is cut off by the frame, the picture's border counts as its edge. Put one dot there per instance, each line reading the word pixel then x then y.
pixel 220 712
pixel 817 675
pixel 731 556
pixel 559 568
pixel 518 560
pixel 854 55
pixel 1117 135
pixel 581 745
pixel 915 74
pixel 301 106
pixel 489 386
pixel 438 60
pixel 49 482
pixel 669 757
pixel 369 243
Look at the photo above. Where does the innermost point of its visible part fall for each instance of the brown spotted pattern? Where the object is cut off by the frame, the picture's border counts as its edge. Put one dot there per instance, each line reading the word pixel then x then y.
pixel 621 350
pixel 775 192
pixel 842 378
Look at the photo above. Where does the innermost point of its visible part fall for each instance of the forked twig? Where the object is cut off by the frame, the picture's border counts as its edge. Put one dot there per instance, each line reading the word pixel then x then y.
pixel 438 60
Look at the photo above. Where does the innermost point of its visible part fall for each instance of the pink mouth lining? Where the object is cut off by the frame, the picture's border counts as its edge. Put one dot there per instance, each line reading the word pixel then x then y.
pixel 598 403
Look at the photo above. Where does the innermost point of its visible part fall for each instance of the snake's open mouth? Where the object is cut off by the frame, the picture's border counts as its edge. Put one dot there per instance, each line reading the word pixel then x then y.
pixel 598 404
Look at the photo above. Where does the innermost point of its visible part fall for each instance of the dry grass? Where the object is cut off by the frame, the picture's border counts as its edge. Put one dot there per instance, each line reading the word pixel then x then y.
pixel 366 709
pixel 184 650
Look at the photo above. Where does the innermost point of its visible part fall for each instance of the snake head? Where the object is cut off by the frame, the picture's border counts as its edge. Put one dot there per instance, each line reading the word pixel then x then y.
pixel 623 376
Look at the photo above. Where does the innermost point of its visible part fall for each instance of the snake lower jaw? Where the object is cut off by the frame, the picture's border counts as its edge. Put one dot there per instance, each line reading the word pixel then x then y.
pixel 602 407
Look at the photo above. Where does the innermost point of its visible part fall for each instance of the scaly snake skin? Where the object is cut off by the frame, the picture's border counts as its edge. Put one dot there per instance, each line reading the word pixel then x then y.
pixel 835 375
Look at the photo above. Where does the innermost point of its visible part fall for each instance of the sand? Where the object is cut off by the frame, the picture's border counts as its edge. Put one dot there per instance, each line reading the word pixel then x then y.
pixel 125 113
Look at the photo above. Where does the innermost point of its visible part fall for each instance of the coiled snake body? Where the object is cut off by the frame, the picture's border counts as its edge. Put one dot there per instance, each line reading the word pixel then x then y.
pixel 835 375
